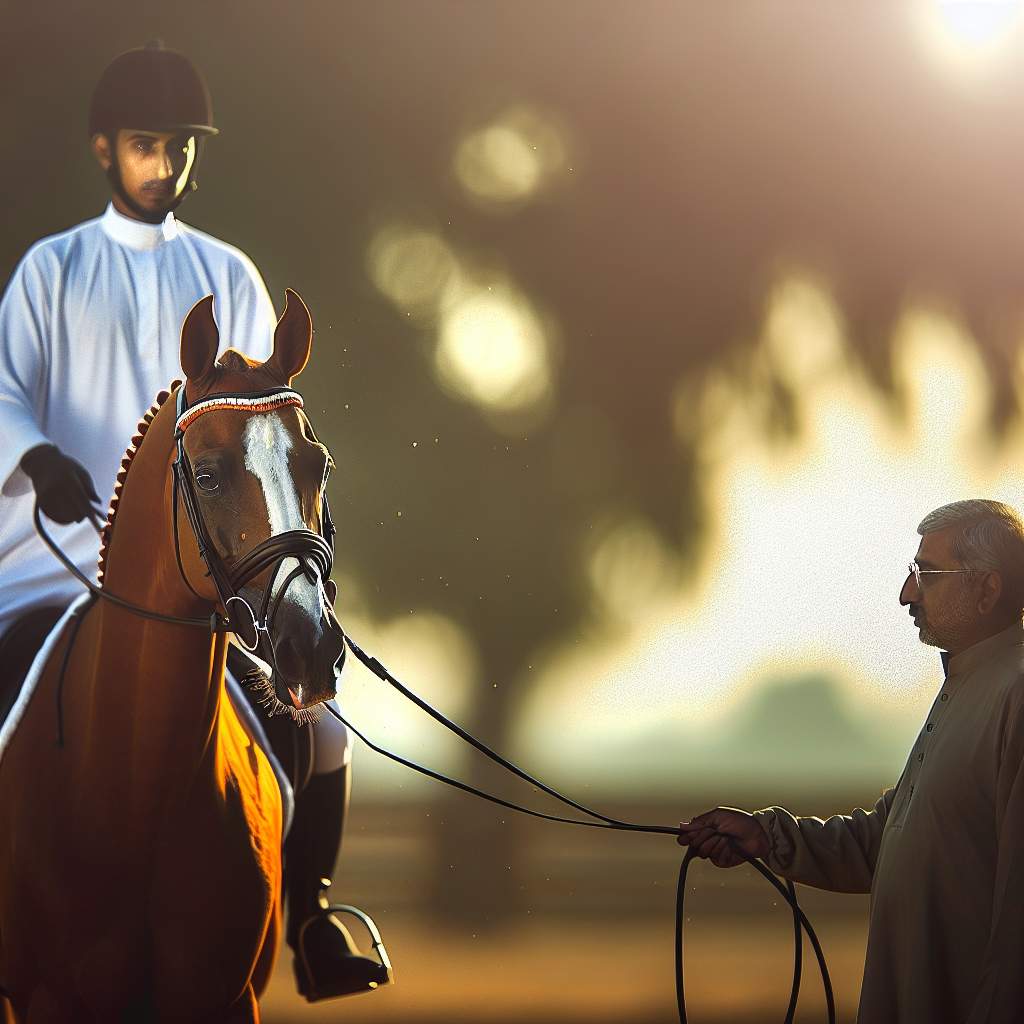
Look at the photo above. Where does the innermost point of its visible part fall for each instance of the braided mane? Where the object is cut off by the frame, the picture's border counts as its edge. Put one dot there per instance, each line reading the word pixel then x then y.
pixel 122 475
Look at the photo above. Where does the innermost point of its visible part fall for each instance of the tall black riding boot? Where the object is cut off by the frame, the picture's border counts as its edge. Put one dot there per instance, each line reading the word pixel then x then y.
pixel 327 962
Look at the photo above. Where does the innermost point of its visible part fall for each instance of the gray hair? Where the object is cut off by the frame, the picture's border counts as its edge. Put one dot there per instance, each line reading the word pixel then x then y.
pixel 990 538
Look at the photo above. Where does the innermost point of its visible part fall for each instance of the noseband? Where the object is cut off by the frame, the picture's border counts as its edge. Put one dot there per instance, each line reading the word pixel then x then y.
pixel 313 551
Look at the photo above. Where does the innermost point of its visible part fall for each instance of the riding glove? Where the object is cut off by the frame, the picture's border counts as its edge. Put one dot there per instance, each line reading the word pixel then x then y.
pixel 64 489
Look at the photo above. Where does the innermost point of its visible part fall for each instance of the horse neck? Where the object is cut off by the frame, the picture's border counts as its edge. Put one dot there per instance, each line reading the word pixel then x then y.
pixel 176 670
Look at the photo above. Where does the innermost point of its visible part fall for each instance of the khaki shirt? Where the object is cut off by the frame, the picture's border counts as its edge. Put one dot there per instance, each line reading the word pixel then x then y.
pixel 942 854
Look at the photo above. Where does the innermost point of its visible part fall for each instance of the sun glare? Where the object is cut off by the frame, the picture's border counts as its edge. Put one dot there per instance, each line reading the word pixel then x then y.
pixel 971 35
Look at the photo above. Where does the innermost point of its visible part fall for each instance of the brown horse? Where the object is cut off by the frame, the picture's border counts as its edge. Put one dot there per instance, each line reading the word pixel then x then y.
pixel 140 861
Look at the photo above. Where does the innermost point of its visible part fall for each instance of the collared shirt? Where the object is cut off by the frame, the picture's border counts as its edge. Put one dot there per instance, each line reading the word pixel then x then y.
pixel 942 854
pixel 90 328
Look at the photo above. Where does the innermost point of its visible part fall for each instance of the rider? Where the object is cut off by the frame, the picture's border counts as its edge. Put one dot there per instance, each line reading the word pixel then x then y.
pixel 89 332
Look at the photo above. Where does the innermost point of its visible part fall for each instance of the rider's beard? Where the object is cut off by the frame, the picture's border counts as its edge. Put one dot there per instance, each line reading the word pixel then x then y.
pixel 150 216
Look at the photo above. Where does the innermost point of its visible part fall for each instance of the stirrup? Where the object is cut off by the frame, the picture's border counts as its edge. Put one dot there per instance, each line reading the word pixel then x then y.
pixel 375 972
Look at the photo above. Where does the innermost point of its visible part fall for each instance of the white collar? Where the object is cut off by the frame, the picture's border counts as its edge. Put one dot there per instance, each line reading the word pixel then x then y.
pixel 137 234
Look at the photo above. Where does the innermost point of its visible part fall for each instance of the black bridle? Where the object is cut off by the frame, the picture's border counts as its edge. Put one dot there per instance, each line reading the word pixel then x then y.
pixel 314 552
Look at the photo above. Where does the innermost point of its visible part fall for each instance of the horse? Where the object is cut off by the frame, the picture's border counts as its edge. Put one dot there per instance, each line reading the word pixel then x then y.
pixel 140 853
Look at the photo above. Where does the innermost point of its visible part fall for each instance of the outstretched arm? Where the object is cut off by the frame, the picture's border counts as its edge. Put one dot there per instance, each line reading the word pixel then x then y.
pixel 837 853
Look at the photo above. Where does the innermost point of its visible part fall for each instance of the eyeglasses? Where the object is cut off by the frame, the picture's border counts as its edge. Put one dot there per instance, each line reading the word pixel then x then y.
pixel 917 572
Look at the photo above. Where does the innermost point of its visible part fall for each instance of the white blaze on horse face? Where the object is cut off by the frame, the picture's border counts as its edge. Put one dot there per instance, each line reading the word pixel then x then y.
pixel 266 444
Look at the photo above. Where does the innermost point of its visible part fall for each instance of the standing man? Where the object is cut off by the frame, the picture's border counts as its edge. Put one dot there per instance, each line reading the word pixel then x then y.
pixel 942 853
pixel 89 333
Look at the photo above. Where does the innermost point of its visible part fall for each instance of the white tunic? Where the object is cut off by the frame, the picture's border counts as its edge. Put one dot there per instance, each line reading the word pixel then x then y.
pixel 90 327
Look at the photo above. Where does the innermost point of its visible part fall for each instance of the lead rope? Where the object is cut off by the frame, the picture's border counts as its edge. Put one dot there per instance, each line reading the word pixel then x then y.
pixel 787 891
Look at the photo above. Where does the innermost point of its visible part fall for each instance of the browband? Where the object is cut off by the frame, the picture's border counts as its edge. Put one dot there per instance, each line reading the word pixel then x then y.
pixel 249 403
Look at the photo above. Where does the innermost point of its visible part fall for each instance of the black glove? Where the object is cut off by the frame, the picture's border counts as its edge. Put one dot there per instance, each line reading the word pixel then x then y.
pixel 63 486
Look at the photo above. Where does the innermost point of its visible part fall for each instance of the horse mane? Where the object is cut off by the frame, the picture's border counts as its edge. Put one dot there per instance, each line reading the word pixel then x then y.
pixel 231 363
pixel 122 474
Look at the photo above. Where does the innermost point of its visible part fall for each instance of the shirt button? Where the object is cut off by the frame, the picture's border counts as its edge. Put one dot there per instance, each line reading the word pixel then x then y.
pixel 945 696
pixel 930 727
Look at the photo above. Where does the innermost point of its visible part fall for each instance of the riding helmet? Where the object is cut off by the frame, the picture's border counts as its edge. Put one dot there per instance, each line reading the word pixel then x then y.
pixel 151 88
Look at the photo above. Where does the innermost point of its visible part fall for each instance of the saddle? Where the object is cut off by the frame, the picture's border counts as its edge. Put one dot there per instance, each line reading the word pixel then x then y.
pixel 21 642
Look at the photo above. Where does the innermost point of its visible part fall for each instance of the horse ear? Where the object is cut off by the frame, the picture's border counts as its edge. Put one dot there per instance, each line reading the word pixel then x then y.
pixel 293 339
pixel 200 340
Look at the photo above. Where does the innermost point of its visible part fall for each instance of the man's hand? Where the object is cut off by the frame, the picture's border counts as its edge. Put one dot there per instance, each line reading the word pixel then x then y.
pixel 716 835
pixel 63 486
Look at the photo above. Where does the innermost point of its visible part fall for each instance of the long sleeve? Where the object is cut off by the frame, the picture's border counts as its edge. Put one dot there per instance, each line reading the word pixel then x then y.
pixel 23 319
pixel 254 319
pixel 838 853
pixel 1000 997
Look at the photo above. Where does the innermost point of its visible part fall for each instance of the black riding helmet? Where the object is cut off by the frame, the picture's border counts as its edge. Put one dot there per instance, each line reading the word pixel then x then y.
pixel 154 89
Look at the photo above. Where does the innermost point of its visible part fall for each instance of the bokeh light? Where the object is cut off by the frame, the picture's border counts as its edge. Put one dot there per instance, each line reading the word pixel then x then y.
pixel 492 347
pixel 493 350
pixel 629 568
pixel 512 158
pixel 412 267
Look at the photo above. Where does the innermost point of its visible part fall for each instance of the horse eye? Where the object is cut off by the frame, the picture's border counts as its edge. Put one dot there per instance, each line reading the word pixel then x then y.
pixel 207 480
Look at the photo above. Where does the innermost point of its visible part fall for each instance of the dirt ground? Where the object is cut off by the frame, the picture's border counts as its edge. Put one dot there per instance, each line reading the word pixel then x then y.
pixel 737 972
pixel 593 942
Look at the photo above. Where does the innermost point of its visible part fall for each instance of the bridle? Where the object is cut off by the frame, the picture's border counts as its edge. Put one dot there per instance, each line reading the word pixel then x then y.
pixel 314 552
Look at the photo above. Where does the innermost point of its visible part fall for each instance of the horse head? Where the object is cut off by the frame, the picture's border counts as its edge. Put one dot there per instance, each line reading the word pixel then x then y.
pixel 252 478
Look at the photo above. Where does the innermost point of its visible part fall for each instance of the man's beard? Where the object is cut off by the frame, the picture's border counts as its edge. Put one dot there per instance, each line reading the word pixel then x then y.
pixel 958 618
pixel 150 216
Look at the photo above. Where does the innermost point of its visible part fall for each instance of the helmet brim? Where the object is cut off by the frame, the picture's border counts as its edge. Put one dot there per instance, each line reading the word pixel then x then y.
pixel 192 129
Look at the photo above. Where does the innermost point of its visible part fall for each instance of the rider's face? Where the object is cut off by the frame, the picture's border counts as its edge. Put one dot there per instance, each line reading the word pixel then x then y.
pixel 154 167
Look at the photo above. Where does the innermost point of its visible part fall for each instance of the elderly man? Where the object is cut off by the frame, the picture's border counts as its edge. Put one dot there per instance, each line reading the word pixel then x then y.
pixel 942 852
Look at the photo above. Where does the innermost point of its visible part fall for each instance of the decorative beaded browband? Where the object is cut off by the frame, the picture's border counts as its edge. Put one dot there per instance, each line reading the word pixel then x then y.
pixel 248 403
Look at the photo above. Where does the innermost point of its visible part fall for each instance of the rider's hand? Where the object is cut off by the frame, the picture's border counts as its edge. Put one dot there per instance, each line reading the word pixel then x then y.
pixel 63 486
pixel 714 835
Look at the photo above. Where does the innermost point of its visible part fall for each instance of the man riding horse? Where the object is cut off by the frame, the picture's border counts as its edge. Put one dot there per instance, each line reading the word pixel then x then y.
pixel 89 332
